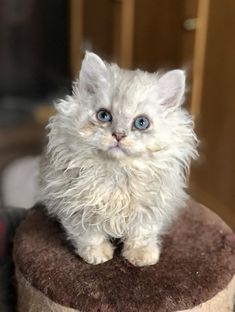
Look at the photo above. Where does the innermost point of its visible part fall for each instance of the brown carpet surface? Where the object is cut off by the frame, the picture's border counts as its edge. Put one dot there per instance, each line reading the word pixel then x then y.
pixel 197 261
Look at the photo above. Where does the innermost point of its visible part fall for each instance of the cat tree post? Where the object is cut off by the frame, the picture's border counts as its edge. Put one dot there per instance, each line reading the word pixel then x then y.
pixel 195 272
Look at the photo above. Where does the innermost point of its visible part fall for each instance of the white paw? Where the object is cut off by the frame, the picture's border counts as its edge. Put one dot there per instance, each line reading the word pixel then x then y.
pixel 97 254
pixel 142 256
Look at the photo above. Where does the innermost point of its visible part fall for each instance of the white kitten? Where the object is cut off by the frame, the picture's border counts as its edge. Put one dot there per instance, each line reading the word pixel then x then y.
pixel 119 149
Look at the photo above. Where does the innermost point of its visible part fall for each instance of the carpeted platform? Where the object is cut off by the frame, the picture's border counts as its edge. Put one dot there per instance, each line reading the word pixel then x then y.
pixel 196 270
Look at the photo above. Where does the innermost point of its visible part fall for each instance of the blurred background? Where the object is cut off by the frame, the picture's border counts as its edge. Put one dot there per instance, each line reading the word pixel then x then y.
pixel 41 47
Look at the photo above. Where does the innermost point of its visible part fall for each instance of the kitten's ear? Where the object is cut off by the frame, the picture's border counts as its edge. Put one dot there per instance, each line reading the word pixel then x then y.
pixel 93 73
pixel 172 89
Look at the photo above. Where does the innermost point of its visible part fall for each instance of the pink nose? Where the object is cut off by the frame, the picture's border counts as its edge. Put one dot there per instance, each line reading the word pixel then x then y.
pixel 118 135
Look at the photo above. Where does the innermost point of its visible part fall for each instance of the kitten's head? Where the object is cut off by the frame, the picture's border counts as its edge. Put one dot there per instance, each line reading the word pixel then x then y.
pixel 121 113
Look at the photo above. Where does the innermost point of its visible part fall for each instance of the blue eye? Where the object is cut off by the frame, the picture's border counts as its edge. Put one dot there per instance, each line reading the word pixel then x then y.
pixel 104 116
pixel 141 123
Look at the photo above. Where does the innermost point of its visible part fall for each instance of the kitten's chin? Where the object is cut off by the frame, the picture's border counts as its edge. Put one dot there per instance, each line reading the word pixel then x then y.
pixel 116 152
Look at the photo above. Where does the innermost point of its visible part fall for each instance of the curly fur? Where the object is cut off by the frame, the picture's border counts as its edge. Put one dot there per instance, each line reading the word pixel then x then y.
pixel 132 193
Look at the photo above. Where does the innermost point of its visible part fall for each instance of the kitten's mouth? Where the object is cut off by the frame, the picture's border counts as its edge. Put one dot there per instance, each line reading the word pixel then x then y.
pixel 117 148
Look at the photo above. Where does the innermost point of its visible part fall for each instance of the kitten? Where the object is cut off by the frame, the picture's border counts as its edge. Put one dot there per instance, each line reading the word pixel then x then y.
pixel 115 165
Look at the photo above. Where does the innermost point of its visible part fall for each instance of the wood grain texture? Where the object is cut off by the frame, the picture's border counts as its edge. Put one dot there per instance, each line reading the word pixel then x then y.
pixel 124 13
pixel 98 27
pixel 199 55
pixel 158 34
pixel 214 179
pixel 76 35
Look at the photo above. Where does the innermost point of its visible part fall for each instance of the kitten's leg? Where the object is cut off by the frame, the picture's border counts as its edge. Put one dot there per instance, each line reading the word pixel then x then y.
pixel 92 246
pixel 142 248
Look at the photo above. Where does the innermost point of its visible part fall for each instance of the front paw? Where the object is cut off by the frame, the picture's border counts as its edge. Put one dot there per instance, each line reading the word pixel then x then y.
pixel 97 254
pixel 142 256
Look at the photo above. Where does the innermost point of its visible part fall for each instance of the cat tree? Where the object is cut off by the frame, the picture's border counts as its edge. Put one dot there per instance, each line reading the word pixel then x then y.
pixel 195 272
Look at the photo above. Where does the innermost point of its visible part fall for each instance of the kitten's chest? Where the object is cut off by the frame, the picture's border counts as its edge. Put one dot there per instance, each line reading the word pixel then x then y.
pixel 114 198
pixel 119 188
